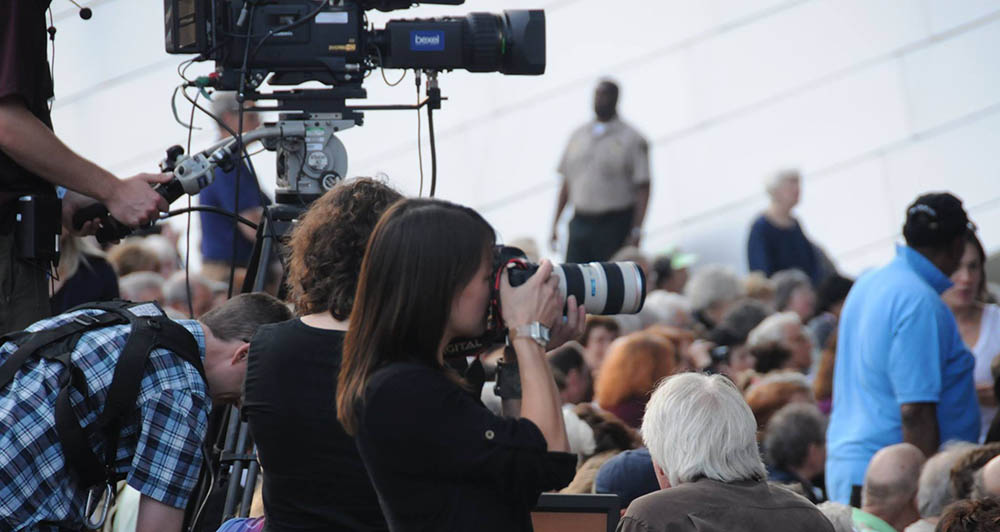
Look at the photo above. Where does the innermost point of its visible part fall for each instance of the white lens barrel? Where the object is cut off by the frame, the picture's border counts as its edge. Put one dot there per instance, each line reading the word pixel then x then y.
pixel 604 287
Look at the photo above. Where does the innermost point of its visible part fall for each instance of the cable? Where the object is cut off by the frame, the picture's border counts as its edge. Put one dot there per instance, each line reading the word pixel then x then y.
pixel 241 149
pixel 51 30
pixel 420 149
pixel 211 208
pixel 184 65
pixel 381 68
pixel 245 157
pixel 430 133
pixel 309 16
pixel 187 231
pixel 177 117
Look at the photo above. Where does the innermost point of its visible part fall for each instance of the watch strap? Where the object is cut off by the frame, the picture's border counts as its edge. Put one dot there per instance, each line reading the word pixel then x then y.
pixel 534 330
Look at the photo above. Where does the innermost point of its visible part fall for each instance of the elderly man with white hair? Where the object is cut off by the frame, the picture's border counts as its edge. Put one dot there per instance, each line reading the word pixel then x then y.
pixel 776 239
pixel 711 291
pixel 141 286
pixel 702 440
pixel 188 293
pixel 785 330
pixel 666 308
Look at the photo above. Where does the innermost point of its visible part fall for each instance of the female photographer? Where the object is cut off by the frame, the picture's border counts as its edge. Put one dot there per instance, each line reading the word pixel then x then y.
pixel 313 476
pixel 437 457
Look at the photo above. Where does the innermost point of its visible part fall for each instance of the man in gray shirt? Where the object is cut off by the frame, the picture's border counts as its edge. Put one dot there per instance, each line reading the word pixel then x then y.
pixel 605 171
pixel 701 437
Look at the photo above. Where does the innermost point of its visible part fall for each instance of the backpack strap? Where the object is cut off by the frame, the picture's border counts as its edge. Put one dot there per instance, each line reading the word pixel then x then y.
pixel 32 342
pixel 148 333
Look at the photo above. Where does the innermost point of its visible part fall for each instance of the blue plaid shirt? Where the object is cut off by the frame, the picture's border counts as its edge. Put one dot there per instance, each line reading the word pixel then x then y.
pixel 160 444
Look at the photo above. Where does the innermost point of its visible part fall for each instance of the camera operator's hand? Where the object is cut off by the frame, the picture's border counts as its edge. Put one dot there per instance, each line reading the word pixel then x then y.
pixel 70 203
pixel 133 201
pixel 537 299
pixel 570 328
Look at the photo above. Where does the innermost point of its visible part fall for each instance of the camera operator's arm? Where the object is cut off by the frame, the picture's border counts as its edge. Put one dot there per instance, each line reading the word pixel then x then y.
pixel 35 147
pixel 536 300
pixel 641 178
pixel 560 205
pixel 639 215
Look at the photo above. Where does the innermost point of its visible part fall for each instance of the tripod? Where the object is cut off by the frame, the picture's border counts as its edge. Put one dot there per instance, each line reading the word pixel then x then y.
pixel 232 468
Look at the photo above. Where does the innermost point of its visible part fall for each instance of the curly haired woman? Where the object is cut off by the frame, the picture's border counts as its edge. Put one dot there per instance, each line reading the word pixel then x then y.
pixel 313 476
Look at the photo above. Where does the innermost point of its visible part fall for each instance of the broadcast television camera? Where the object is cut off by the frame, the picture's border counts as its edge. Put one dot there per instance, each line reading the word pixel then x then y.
pixel 289 42
pixel 328 41
pixel 331 42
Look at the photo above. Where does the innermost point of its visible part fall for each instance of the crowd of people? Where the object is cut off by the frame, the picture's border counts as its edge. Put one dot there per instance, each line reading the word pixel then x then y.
pixel 790 398
pixel 728 401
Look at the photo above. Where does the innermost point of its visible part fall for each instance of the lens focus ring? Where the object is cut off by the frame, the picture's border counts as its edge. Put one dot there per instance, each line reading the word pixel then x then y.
pixel 483 42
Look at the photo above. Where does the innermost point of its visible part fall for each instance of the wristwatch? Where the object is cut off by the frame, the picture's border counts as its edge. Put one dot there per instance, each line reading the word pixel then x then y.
pixel 534 330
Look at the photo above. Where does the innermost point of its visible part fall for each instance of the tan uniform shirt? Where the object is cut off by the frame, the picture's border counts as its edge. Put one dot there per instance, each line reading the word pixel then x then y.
pixel 602 165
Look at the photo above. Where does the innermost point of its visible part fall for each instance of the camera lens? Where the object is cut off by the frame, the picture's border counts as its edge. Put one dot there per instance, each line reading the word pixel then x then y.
pixel 601 287
pixel 604 287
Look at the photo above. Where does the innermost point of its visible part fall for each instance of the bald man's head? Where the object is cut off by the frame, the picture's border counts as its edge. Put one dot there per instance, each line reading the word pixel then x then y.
pixel 892 478
pixel 987 480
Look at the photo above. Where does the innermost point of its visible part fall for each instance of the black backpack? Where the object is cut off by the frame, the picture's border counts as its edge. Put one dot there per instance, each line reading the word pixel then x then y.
pixel 151 329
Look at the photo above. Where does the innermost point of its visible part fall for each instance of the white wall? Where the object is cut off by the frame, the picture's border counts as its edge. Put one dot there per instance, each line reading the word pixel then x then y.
pixel 874 101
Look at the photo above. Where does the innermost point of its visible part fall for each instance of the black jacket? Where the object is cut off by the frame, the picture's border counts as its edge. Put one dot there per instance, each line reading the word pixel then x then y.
pixel 313 477
pixel 441 461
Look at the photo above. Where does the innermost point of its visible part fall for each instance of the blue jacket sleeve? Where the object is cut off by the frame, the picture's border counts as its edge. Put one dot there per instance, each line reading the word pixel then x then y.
pixel 758 258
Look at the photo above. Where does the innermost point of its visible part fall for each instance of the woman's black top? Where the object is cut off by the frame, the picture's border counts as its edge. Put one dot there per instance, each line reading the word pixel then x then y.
pixel 313 476
pixel 441 461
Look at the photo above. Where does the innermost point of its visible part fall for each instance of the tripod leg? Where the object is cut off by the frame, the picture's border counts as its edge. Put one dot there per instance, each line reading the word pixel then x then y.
pixel 253 264
pixel 236 470
pixel 263 265
pixel 239 464
pixel 250 488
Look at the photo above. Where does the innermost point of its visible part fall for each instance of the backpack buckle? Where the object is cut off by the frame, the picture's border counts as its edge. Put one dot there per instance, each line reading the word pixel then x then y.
pixel 109 497
pixel 85 319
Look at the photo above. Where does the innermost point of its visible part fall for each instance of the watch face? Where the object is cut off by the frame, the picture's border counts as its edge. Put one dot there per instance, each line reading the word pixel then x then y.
pixel 540 333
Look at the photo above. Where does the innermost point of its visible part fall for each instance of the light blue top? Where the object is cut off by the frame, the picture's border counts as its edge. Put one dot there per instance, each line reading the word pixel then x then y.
pixel 897 343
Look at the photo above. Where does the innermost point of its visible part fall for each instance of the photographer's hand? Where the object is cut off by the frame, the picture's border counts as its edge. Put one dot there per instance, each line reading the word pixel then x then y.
pixel 536 300
pixel 570 328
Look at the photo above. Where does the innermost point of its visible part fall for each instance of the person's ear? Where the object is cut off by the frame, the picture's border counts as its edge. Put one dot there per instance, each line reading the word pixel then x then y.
pixel 661 476
pixel 240 354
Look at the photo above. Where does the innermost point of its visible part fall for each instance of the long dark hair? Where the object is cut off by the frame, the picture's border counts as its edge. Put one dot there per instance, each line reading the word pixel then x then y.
pixel 971 238
pixel 421 254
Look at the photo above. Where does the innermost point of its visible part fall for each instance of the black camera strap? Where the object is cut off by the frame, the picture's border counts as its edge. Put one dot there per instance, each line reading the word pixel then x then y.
pixel 508 384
